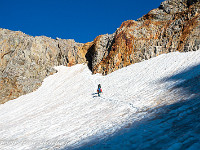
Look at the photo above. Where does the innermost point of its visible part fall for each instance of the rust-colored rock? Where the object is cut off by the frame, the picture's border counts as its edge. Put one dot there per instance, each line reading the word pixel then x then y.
pixel 174 26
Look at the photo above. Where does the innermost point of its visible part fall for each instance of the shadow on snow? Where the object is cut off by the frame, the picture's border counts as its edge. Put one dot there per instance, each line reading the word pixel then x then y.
pixel 175 126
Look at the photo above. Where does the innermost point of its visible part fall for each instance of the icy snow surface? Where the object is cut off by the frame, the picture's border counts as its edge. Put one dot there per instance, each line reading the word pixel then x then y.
pixel 149 105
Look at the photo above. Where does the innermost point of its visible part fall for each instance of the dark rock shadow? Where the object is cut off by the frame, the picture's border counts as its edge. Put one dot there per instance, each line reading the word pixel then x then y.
pixel 175 126
pixel 89 56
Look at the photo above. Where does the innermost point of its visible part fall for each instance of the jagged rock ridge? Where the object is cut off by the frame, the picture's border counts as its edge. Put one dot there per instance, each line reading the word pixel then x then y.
pixel 25 61
pixel 174 26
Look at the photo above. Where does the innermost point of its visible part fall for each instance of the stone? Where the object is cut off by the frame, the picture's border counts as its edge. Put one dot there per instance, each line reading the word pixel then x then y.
pixel 25 61
pixel 174 26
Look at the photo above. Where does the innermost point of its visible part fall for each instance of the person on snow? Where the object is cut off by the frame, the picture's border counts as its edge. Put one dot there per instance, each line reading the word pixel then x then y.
pixel 99 90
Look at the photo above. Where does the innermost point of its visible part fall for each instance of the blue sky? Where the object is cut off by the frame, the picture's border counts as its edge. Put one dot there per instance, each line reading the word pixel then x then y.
pixel 81 20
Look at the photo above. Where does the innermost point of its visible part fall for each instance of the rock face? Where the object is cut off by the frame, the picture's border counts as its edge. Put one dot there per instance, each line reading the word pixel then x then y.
pixel 174 26
pixel 25 61
pixel 99 49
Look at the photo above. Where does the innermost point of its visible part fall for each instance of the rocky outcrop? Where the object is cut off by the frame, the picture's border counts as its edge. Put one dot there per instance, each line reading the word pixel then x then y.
pixel 99 49
pixel 174 26
pixel 25 61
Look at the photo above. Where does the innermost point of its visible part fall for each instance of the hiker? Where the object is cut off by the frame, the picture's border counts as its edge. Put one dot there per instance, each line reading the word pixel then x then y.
pixel 99 90
pixel 99 86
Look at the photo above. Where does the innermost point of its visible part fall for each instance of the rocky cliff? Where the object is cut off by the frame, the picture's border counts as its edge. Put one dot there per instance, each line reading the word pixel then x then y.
pixel 174 26
pixel 25 61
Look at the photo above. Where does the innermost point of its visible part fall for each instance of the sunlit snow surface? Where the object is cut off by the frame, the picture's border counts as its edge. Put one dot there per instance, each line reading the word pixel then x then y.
pixel 154 104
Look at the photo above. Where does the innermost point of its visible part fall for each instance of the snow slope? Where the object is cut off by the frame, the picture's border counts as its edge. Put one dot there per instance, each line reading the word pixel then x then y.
pixel 66 113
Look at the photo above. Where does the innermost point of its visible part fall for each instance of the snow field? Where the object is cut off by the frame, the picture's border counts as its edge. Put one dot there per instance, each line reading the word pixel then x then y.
pixel 66 112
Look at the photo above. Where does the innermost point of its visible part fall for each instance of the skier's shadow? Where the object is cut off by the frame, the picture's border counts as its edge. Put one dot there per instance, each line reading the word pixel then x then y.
pixel 95 95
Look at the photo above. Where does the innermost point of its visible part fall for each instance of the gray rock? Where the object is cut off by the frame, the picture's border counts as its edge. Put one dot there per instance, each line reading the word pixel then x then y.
pixel 26 61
